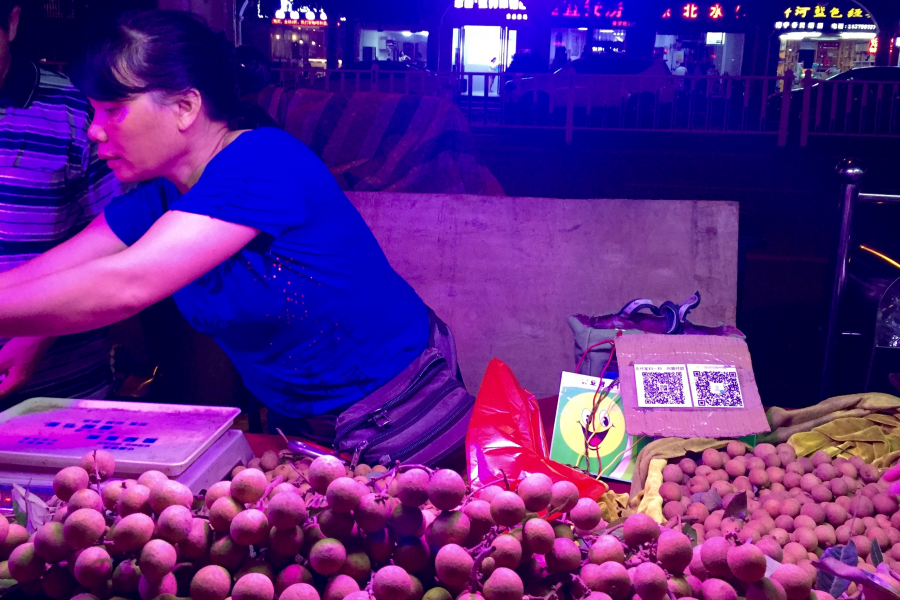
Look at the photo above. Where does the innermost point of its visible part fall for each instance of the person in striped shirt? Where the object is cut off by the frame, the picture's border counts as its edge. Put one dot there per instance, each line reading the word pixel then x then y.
pixel 52 184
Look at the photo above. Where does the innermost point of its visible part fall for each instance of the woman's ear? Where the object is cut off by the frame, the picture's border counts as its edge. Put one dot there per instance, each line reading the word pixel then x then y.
pixel 13 24
pixel 187 108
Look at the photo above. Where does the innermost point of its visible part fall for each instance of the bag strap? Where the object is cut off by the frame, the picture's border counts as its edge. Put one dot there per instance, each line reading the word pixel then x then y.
pixel 676 314
pixel 636 306
pixel 688 305
pixel 670 311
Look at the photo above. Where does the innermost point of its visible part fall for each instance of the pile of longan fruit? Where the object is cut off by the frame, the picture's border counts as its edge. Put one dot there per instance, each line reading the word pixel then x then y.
pixel 317 530
pixel 796 508
pixel 304 530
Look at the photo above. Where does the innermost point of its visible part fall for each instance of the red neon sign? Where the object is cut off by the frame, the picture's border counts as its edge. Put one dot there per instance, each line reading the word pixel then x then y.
pixel 690 11
pixel 873 46
pixel 302 22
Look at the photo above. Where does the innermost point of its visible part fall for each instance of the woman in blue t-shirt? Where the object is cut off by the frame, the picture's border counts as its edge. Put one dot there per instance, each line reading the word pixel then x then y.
pixel 260 248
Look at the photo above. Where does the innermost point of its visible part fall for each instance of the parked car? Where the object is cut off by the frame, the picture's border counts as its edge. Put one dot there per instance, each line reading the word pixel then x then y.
pixel 605 87
pixel 855 101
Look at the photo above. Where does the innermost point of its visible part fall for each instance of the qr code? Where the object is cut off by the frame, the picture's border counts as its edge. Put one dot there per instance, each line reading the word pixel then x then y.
pixel 664 389
pixel 717 389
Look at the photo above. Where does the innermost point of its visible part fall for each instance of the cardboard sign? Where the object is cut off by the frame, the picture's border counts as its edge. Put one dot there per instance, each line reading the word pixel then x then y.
pixel 717 371
pixel 600 445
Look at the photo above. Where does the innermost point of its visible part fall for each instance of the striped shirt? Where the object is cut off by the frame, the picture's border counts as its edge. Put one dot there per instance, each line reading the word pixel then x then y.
pixel 51 186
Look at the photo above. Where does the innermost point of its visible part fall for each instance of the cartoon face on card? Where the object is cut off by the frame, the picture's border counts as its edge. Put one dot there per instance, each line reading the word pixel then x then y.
pixel 603 432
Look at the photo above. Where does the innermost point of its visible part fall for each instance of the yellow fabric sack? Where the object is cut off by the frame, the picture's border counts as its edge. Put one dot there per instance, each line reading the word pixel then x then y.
pixel 809 442
pixel 652 503
pixel 842 427
pixel 612 505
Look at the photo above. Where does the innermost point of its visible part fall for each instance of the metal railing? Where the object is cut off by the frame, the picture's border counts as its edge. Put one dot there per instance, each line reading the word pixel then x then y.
pixel 375 80
pixel 781 106
pixel 847 108
pixel 572 102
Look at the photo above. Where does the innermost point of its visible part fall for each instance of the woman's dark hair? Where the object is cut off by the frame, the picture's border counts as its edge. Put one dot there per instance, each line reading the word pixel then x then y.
pixel 6 8
pixel 165 51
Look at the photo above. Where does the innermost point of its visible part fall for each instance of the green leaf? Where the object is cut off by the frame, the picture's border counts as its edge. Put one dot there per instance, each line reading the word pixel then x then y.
pixel 828 582
pixel 34 510
pixel 711 500
pixel 737 508
pixel 21 517
pixel 874 586
pixel 877 556
pixel 689 531
pixel 771 565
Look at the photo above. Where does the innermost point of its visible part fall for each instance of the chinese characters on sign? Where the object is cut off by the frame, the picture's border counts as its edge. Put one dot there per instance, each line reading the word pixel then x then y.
pixel 823 12
pixel 301 22
pixel 873 46
pixel 590 8
pixel 823 17
pixel 692 11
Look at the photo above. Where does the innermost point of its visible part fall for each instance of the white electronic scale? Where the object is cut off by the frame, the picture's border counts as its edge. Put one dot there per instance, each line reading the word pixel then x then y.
pixel 191 444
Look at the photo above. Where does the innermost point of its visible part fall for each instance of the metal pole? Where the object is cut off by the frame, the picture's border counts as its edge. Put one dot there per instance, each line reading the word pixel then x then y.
pixel 570 106
pixel 804 112
pixel 784 121
pixel 851 171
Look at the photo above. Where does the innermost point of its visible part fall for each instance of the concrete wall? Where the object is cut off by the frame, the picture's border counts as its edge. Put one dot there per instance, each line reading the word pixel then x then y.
pixel 506 272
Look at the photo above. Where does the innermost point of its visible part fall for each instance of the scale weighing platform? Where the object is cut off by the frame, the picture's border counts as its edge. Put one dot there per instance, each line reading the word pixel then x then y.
pixel 191 444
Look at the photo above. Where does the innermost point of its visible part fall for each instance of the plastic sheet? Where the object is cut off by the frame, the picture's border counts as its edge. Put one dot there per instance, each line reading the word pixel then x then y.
pixel 506 438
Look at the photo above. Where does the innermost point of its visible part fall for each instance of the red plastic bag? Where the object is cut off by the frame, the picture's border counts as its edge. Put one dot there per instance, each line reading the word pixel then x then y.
pixel 506 437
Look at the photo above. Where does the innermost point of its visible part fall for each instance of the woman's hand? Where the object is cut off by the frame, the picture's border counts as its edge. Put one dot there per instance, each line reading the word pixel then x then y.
pixel 18 359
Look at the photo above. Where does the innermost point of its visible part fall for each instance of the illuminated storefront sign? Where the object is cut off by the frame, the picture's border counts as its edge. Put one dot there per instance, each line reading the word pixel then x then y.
pixel 300 22
pixel 695 12
pixel 611 12
pixel 589 8
pixel 490 4
pixel 516 7
pixel 294 13
pixel 830 18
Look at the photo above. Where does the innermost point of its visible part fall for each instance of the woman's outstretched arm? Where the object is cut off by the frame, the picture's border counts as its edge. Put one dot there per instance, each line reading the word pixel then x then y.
pixel 179 248
pixel 94 241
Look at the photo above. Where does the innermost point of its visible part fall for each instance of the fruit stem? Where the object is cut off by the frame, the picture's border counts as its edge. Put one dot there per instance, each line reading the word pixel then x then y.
pixel 297 471
pixel 476 567
pixel 404 468
pixel 264 500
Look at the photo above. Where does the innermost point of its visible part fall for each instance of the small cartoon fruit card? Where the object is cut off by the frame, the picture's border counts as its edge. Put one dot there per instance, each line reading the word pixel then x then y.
pixel 589 432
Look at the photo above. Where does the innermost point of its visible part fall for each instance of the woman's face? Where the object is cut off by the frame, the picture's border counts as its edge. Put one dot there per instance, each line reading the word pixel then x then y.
pixel 139 137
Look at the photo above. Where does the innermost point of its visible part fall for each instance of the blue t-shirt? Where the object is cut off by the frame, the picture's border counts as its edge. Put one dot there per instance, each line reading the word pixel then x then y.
pixel 310 312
